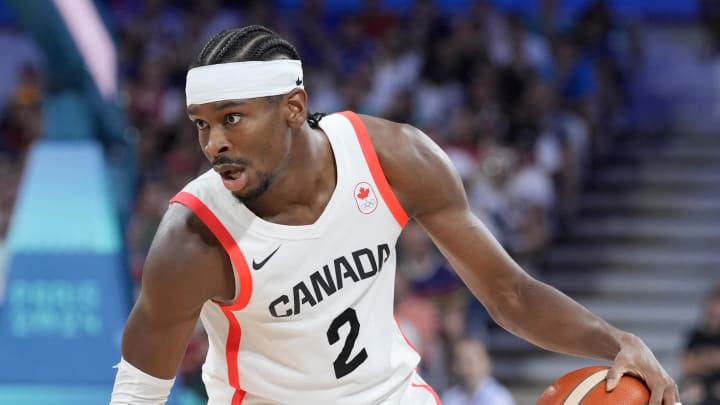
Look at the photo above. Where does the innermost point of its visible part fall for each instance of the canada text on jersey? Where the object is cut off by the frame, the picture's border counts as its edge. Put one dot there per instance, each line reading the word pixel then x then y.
pixel 359 265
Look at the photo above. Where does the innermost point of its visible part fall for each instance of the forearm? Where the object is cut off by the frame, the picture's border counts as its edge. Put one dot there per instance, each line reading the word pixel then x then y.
pixel 548 318
pixel 526 307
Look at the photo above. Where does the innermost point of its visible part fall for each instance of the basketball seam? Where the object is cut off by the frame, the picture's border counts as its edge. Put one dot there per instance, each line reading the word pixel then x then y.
pixel 590 390
pixel 575 391
pixel 574 388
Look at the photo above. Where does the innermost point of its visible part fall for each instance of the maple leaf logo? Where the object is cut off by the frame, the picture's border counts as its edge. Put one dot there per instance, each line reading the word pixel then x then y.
pixel 363 193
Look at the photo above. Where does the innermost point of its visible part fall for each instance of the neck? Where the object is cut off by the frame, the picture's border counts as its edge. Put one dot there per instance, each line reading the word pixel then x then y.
pixel 303 184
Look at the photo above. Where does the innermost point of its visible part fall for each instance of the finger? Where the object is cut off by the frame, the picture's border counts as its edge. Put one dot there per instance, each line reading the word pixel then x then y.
pixel 656 395
pixel 669 398
pixel 672 394
pixel 613 378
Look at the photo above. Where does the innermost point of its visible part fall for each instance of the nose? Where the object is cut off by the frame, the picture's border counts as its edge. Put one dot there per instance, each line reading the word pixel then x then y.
pixel 217 143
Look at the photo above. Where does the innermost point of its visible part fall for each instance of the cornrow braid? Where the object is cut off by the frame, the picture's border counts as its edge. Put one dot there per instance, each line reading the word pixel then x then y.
pixel 212 43
pixel 251 43
pixel 228 42
pixel 270 47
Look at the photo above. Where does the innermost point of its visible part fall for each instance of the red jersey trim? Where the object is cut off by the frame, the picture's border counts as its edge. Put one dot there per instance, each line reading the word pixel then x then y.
pixel 227 241
pixel 375 169
pixel 237 258
pixel 430 389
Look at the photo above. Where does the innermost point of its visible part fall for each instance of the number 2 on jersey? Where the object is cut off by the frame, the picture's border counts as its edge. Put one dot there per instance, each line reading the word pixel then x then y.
pixel 342 365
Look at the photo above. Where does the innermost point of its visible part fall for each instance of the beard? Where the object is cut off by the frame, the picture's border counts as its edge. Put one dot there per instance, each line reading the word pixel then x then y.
pixel 265 181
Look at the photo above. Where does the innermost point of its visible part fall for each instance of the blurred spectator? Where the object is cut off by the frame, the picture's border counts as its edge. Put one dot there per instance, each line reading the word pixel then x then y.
pixel 147 213
pixel 27 93
pixel 425 269
pixel 701 358
pixel 396 68
pixel 352 48
pixel 376 19
pixel 417 317
pixel 486 190
pixel 520 49
pixel 475 386
pixel 439 91
pixel 562 147
pixel 20 125
pixel 19 52
pixel 429 278
pixel 709 11
pixel 21 121
pixel 574 78
pixel 9 182
pixel 530 198
pixel 190 370
pixel 482 97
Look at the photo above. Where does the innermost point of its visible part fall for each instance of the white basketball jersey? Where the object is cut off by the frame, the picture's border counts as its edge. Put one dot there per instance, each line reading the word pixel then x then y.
pixel 312 321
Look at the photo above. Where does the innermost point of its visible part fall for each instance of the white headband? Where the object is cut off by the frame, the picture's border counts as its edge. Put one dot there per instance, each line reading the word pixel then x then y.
pixel 240 80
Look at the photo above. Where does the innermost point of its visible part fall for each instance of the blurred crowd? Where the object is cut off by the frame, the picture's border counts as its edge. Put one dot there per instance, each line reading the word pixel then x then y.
pixel 521 105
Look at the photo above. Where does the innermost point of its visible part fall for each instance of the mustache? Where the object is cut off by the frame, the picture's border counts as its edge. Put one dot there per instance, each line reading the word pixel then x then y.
pixel 225 160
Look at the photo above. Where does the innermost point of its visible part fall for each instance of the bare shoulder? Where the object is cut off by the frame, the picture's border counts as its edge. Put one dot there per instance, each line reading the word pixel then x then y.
pixel 418 170
pixel 186 262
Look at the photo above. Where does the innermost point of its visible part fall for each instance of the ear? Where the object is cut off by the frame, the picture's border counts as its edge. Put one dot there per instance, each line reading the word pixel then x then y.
pixel 296 108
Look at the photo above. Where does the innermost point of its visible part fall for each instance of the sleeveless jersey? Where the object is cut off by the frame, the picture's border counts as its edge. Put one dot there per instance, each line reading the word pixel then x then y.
pixel 312 321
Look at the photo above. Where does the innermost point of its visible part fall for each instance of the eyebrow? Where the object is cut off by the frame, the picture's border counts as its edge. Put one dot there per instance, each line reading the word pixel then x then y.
pixel 217 106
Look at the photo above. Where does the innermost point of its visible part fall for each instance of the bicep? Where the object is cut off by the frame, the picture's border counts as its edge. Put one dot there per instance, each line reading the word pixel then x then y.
pixel 171 297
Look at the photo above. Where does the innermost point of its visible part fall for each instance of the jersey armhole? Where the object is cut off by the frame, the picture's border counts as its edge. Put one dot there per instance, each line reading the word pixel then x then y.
pixel 376 169
pixel 240 267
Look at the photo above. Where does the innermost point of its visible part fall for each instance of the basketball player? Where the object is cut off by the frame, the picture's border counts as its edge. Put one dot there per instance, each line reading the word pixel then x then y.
pixel 286 252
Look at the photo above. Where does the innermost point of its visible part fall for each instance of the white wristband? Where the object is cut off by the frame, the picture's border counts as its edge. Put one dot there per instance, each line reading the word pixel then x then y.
pixel 135 387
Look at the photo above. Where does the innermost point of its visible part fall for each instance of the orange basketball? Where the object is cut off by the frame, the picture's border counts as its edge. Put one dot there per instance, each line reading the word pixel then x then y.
pixel 586 386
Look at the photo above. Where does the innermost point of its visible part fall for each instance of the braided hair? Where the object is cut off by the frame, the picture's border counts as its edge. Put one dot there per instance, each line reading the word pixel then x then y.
pixel 251 43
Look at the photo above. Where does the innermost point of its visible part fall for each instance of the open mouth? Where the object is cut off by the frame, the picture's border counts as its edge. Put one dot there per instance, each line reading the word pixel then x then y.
pixel 228 170
pixel 230 174
pixel 233 177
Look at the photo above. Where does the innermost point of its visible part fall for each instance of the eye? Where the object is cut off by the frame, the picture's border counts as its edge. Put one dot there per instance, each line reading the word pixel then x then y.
pixel 233 119
pixel 200 124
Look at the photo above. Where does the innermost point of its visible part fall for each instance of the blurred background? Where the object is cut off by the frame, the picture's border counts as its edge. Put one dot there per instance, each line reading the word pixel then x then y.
pixel 586 133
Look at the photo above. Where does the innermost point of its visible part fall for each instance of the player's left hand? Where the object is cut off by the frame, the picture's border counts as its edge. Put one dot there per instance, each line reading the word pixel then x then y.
pixel 636 359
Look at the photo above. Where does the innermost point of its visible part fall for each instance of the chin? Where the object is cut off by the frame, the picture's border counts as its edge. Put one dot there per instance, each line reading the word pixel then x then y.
pixel 247 196
pixel 244 196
